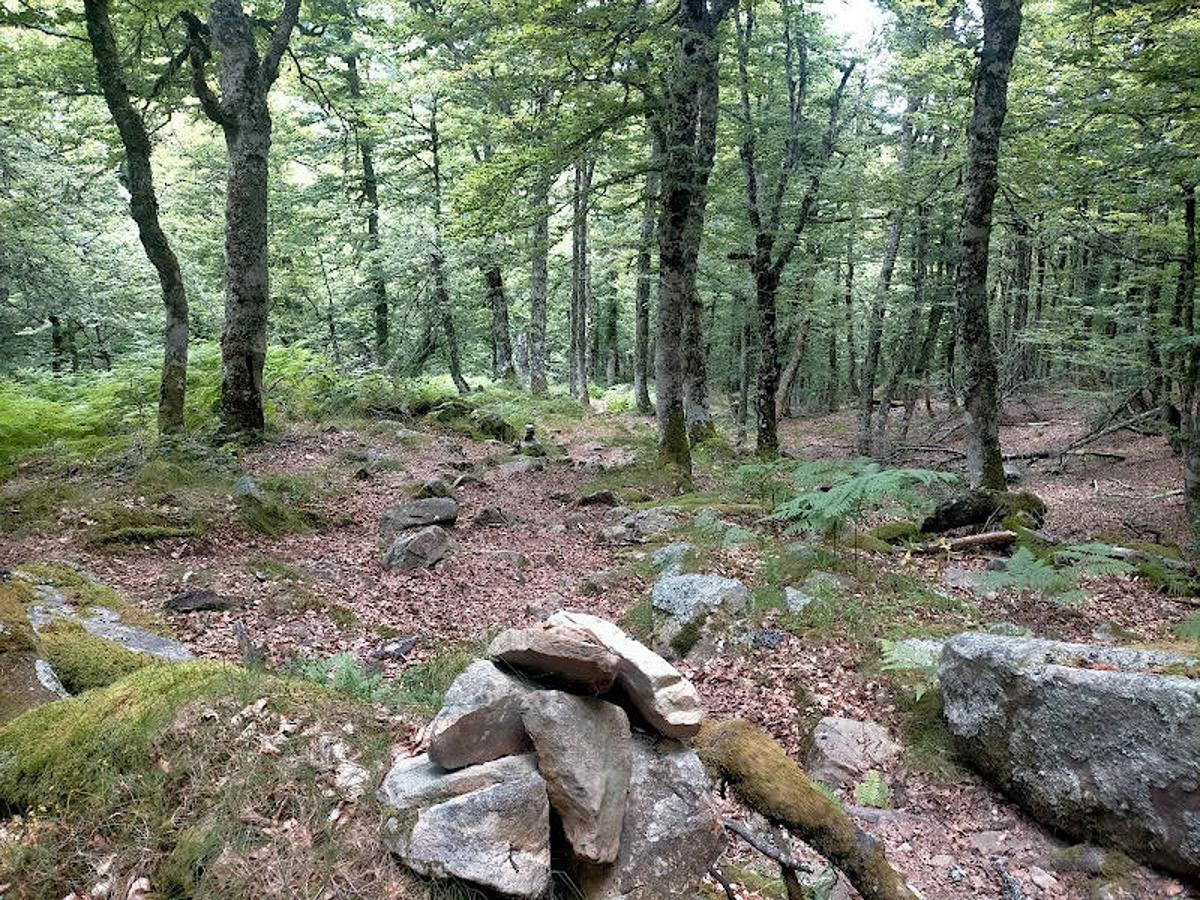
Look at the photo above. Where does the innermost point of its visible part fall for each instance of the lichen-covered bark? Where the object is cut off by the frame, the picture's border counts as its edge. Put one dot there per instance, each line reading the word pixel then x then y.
pixel 540 200
pixel 143 205
pixel 1001 27
pixel 641 333
pixel 497 301
pixel 769 782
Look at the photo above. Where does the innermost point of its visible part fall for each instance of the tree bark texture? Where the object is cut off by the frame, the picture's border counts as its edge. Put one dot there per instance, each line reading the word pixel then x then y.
pixel 538 284
pixel 497 301
pixel 646 240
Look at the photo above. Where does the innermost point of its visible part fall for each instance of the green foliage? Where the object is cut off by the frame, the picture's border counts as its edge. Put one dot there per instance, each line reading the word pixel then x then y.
pixel 77 586
pixel 873 791
pixel 343 673
pixel 1166 578
pixel 1028 574
pixel 1094 559
pixel 854 494
pixel 638 620
pixel 423 686
pixel 287 505
pixel 118 524
pixel 899 656
pixel 83 661
pixel 1188 629
pixel 16 634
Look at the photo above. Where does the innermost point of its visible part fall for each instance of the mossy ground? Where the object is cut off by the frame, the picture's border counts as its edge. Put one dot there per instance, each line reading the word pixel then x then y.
pixel 83 661
pixel 168 773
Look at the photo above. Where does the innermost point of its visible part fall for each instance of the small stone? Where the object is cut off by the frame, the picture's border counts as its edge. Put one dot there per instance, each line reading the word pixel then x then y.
pixel 597 498
pixel 600 583
pixel 481 735
pixel 199 600
pixel 418 550
pixel 685 597
pixel 519 467
pixel 417 781
pixel 796 600
pixel 942 861
pixel 669 559
pixel 246 488
pixel 844 750
pixel 491 516
pixel 480 685
pixel 434 487
pixel 419 514
pixel 545 606
pixel 769 638
pixel 394 650
pixel 467 479
pixel 1042 878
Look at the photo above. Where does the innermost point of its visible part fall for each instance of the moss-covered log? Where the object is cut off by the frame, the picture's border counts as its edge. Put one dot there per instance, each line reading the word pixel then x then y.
pixel 984 508
pixel 767 780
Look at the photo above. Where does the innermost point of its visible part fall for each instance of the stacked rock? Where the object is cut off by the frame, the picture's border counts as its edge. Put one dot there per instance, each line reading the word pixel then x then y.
pixel 570 721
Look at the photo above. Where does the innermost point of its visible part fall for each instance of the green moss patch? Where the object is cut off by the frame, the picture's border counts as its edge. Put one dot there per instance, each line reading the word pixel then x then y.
pixel 286 505
pixel 16 634
pixel 118 524
pixel 79 588
pixel 83 661
pixel 896 532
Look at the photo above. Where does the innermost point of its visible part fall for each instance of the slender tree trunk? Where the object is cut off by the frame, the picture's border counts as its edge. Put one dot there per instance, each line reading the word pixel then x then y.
pixel 699 416
pixel 1001 27
pixel 581 351
pixel 497 300
pixel 1191 375
pixel 143 205
pixel 437 259
pixel 832 376
pixel 612 362
pixel 851 343
pixel 787 379
pixel 370 183
pixel 641 334
pixel 903 362
pixel 540 200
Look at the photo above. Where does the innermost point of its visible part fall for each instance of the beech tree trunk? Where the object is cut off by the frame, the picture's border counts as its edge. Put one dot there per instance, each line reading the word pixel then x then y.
pixel 241 110
pixel 1186 297
pixel 851 342
pixel 689 132
pixel 581 352
pixel 502 354
pixel 641 327
pixel 1001 29
pixel 441 292
pixel 699 415
pixel 143 206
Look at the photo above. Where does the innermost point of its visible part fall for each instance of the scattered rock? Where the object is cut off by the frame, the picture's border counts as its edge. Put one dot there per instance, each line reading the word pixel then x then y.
pixel 964 579
pixel 1094 741
pixel 844 750
pixel 545 606
pixel 988 843
pixel 493 425
pixel 394 650
pixel 824 584
pixel 796 600
pixel 569 652
pixel 1043 879
pixel 482 735
pixel 491 516
pixel 584 753
pixel 419 514
pixel 769 638
pixel 671 834
pixel 599 583
pixel 640 526
pixel 686 597
pixel 480 685
pixel 520 467
pixel 982 507
pixel 434 487
pixel 529 445
pixel 669 559
pixel 418 550
pixel 467 479
pixel 199 600
pixel 246 488
pixel 105 623
pixel 597 498
pixel 667 700
pixel 497 837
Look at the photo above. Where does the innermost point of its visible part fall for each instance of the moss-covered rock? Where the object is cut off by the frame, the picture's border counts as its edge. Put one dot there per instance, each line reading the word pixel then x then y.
pixel 16 634
pixel 895 532
pixel 984 507
pixel 83 661
pixel 77 586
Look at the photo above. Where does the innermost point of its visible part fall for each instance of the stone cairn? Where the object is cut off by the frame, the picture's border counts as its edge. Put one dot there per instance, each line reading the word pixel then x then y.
pixel 561 752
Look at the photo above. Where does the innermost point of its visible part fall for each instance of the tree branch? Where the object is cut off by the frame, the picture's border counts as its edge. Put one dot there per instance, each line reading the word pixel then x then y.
pixel 280 37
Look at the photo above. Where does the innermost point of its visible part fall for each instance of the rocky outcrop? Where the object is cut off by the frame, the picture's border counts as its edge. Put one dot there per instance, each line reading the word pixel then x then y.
pixel 102 622
pixel 1102 743
pixel 687 597
pixel 419 514
pixel 199 600
pixel 844 750
pixel 640 526
pixel 418 550
pixel 637 820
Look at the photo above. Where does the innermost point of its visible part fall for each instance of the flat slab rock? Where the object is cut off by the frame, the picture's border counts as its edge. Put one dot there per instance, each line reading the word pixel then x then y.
pixel 480 719
pixel 105 623
pixel 687 597
pixel 561 651
pixel 666 700
pixel 418 550
pixel 584 752
pixel 671 834
pixel 1102 743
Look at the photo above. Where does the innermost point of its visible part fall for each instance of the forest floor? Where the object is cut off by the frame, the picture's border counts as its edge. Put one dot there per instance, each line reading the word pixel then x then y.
pixel 322 592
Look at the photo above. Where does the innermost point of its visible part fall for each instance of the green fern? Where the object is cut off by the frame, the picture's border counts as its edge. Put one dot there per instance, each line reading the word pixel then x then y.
pixel 1094 559
pixel 874 792
pixel 899 656
pixel 1188 629
pixel 1028 574
pixel 853 494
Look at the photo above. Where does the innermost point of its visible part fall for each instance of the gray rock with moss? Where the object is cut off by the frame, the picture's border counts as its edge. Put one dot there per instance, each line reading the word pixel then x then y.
pixel 1102 743
pixel 687 597
pixel 418 550
pixel 106 623
pixel 419 514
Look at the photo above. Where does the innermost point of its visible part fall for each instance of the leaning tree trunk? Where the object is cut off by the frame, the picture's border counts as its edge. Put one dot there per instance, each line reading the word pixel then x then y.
pixel 641 333
pixel 143 205
pixel 1001 29
pixel 497 300
pixel 765 779
pixel 245 119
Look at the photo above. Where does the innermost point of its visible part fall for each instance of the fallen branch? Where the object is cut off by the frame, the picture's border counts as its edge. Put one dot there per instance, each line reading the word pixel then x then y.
pixel 971 542
pixel 763 846
pixel 767 780
pixel 1084 441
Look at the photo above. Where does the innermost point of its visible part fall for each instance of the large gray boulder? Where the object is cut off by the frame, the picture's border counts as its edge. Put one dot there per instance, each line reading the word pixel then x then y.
pixel 584 753
pixel 422 549
pixel 1102 743
pixel 671 834
pixel 419 514
pixel 417 781
pixel 480 719
pixel 657 690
